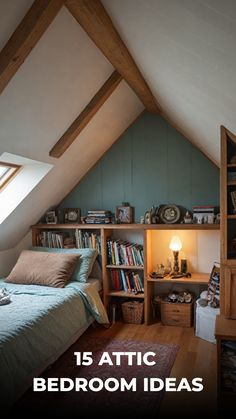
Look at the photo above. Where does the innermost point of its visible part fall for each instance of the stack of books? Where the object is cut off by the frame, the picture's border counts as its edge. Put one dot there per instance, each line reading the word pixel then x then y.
pixel 98 217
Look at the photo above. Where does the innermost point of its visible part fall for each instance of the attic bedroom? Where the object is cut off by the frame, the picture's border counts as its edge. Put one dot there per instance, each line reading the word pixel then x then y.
pixel 118 207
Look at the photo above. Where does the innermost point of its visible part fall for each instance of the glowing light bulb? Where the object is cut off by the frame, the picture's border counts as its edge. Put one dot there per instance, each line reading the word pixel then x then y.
pixel 175 244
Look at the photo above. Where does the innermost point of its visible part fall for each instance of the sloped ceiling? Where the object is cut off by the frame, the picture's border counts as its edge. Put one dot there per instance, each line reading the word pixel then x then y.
pixel 186 51
pixel 57 80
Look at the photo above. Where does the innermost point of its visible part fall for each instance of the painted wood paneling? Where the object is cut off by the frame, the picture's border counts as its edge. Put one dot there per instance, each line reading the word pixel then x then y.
pixel 151 164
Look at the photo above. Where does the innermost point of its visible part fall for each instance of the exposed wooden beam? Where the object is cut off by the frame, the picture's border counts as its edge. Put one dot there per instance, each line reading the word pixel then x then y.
pixel 25 37
pixel 86 115
pixel 94 19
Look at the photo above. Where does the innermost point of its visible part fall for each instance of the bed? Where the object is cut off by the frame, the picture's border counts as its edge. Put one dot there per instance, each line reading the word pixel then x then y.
pixel 38 325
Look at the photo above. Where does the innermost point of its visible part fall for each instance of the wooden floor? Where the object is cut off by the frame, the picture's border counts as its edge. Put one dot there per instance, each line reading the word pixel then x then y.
pixel 196 358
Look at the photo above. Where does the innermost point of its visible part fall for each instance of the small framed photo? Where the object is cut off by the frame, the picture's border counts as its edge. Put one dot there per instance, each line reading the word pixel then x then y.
pixel 51 217
pixel 72 215
pixel 124 214
pixel 213 291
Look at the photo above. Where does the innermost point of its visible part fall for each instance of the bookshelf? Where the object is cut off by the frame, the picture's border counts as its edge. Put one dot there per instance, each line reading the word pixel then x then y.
pixel 107 232
pixel 228 223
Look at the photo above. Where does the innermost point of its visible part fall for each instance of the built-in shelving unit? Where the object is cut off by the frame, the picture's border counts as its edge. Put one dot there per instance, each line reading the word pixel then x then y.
pixel 127 226
pixel 108 232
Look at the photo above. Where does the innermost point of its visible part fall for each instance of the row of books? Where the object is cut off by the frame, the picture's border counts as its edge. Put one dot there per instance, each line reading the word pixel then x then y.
pixel 50 239
pixel 87 239
pixel 121 252
pixel 123 280
pixel 80 240
pixel 98 217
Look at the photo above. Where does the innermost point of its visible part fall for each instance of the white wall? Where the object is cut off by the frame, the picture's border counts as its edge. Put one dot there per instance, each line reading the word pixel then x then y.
pixel 9 257
pixel 54 84
pixel 200 248
pixel 7 261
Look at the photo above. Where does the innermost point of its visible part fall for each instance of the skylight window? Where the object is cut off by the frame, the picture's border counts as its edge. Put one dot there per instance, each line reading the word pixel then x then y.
pixel 7 171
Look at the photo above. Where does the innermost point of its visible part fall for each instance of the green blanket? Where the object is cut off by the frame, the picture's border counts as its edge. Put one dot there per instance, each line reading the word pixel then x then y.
pixel 37 326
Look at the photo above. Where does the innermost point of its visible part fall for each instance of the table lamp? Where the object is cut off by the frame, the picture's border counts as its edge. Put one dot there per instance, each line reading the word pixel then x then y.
pixel 176 245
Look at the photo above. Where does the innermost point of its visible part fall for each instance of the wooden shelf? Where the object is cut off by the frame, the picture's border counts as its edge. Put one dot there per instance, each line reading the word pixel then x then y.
pixel 231 165
pixel 231 183
pixel 231 216
pixel 125 294
pixel 145 231
pixel 196 278
pixel 68 226
pixel 132 267
pixel 127 226
pixel 225 328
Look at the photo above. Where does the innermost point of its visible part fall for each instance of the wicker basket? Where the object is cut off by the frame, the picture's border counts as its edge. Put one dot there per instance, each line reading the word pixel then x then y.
pixel 132 312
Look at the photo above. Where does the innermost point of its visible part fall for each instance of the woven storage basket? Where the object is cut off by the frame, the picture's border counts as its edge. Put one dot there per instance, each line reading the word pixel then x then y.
pixel 132 311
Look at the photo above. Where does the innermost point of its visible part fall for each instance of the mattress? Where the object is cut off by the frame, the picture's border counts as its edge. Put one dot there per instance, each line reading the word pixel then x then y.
pixel 96 283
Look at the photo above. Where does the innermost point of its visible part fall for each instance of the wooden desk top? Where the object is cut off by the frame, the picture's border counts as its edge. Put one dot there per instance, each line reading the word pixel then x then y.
pixel 196 278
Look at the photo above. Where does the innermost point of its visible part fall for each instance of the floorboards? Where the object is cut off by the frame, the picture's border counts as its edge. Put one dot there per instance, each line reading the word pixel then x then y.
pixel 196 358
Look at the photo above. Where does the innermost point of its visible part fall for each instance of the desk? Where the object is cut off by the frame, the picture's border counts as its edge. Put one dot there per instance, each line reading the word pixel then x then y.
pixel 196 278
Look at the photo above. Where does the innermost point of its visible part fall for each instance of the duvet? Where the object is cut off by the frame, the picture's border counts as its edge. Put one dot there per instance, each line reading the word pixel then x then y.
pixel 38 325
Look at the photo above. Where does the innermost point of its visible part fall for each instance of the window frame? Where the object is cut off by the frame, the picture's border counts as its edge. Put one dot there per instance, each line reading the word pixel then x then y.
pixel 17 167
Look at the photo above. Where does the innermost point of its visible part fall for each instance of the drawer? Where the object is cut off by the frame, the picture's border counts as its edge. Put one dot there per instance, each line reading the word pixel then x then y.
pixel 175 308
pixel 174 320
pixel 176 314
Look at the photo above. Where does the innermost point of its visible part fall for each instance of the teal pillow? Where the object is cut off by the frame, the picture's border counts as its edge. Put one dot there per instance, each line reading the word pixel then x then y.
pixel 85 264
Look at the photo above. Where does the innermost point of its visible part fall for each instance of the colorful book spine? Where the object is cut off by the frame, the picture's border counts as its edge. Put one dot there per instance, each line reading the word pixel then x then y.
pixel 124 280
pixel 124 253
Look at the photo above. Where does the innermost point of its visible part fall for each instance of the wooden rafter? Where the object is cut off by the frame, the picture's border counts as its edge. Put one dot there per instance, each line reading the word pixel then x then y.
pixel 86 115
pixel 25 37
pixel 94 19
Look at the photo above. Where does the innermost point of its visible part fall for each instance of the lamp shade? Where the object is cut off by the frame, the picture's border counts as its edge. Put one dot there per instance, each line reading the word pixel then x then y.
pixel 175 244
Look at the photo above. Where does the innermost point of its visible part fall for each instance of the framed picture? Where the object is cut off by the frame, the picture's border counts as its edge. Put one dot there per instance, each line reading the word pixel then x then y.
pixel 124 214
pixel 72 215
pixel 51 217
pixel 213 292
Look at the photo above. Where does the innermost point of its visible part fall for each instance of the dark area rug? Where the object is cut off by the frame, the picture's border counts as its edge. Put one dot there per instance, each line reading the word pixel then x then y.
pixel 104 401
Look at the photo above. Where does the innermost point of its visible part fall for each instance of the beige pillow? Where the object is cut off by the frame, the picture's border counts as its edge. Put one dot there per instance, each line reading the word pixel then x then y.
pixel 41 268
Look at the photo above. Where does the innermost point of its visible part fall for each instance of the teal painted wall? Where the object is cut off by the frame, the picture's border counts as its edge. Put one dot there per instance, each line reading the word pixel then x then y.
pixel 151 164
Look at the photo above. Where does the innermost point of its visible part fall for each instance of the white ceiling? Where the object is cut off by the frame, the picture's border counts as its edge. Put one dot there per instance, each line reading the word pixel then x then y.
pixel 55 83
pixel 186 52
